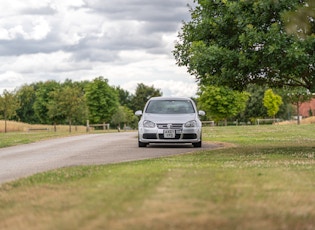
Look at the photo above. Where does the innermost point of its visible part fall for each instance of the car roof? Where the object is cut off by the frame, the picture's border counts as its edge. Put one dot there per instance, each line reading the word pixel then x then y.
pixel 170 98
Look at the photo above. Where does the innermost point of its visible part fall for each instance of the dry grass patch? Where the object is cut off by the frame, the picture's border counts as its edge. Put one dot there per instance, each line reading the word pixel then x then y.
pixel 13 126
pixel 305 121
pixel 22 133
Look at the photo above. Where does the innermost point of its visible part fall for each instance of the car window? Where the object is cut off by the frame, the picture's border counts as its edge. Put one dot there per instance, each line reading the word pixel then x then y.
pixel 170 107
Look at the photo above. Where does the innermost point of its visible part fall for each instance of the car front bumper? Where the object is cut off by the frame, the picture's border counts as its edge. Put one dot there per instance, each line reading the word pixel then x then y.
pixel 156 135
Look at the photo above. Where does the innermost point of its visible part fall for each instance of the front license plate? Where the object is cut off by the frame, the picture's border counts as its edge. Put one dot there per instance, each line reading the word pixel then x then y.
pixel 170 133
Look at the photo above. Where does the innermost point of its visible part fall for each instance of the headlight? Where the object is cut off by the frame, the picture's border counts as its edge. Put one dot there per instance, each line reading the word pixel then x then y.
pixel 148 124
pixel 190 124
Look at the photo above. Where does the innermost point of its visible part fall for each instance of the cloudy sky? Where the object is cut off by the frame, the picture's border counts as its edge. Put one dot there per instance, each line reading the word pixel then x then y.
pixel 126 41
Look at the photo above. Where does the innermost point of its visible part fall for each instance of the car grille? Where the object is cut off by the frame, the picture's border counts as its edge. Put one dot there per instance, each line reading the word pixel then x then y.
pixel 170 126
pixel 177 136
pixel 149 136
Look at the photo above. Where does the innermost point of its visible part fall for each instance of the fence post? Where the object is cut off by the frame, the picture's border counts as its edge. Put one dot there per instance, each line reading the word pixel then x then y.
pixel 87 126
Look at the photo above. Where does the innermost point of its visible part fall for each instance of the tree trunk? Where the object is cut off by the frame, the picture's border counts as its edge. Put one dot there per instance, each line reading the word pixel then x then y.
pixel 298 113
pixel 69 125
pixel 5 122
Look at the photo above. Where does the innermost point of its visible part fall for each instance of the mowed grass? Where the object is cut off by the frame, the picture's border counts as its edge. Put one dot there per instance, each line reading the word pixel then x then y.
pixel 17 138
pixel 262 179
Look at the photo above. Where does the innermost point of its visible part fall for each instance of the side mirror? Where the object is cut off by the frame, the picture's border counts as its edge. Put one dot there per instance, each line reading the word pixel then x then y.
pixel 201 113
pixel 138 113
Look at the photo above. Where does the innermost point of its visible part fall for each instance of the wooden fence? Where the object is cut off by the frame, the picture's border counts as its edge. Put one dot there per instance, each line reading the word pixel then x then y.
pixel 89 126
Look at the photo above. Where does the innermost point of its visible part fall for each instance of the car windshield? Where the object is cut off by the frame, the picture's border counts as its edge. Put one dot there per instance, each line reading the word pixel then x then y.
pixel 170 107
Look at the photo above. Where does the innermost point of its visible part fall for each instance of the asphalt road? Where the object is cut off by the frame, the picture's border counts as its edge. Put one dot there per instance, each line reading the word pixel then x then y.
pixel 91 149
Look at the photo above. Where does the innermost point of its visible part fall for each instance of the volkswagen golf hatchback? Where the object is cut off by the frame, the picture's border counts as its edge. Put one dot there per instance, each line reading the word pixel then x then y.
pixel 170 120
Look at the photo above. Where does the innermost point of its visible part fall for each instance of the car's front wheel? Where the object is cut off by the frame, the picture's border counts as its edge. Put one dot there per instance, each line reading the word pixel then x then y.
pixel 197 144
pixel 141 144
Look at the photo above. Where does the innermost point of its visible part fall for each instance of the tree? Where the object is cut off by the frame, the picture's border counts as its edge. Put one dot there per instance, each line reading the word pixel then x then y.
pixel 8 106
pixel 142 95
pixel 54 112
pixel 43 97
pixel 68 102
pixel 234 43
pixel 26 96
pixel 222 102
pixel 272 102
pixel 297 97
pixel 124 115
pixel 102 100
pixel 131 118
pixel 124 97
pixel 255 108
pixel 119 117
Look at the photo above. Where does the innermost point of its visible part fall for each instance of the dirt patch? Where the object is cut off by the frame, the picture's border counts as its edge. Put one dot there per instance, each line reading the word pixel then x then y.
pixel 219 145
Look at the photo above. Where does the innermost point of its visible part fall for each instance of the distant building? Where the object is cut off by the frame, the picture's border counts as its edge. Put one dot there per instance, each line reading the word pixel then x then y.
pixel 307 109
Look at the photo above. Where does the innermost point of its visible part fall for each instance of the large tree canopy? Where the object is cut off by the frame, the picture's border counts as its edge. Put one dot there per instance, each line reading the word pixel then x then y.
pixel 234 43
pixel 102 100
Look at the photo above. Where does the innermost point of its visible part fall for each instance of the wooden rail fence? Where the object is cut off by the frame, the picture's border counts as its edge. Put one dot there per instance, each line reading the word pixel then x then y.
pixel 88 126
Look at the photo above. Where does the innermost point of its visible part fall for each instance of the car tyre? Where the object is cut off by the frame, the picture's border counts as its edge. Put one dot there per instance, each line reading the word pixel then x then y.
pixel 141 144
pixel 197 145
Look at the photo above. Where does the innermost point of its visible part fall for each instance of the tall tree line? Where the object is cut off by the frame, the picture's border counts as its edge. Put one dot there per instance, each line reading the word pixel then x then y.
pixel 72 102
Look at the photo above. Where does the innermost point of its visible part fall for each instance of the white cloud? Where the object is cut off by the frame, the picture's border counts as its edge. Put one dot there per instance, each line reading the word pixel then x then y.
pixel 10 76
pixel 33 28
pixel 4 34
pixel 126 41
pixel 41 62
pixel 9 80
pixel 40 30
pixel 168 87
pixel 177 88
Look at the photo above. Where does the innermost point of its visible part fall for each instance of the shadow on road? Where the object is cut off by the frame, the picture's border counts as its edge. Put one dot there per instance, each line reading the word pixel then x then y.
pixel 170 146
pixel 205 146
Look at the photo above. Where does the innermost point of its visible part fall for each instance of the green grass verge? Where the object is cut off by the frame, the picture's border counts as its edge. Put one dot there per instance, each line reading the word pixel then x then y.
pixel 265 180
pixel 17 138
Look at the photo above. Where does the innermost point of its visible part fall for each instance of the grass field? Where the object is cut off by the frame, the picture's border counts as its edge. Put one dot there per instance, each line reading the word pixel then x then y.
pixel 23 133
pixel 263 179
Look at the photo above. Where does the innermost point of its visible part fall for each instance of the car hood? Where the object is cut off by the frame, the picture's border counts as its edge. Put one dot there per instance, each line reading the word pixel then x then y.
pixel 169 118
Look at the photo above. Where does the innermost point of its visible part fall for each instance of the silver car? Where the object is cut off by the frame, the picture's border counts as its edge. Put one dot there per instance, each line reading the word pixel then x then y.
pixel 169 120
